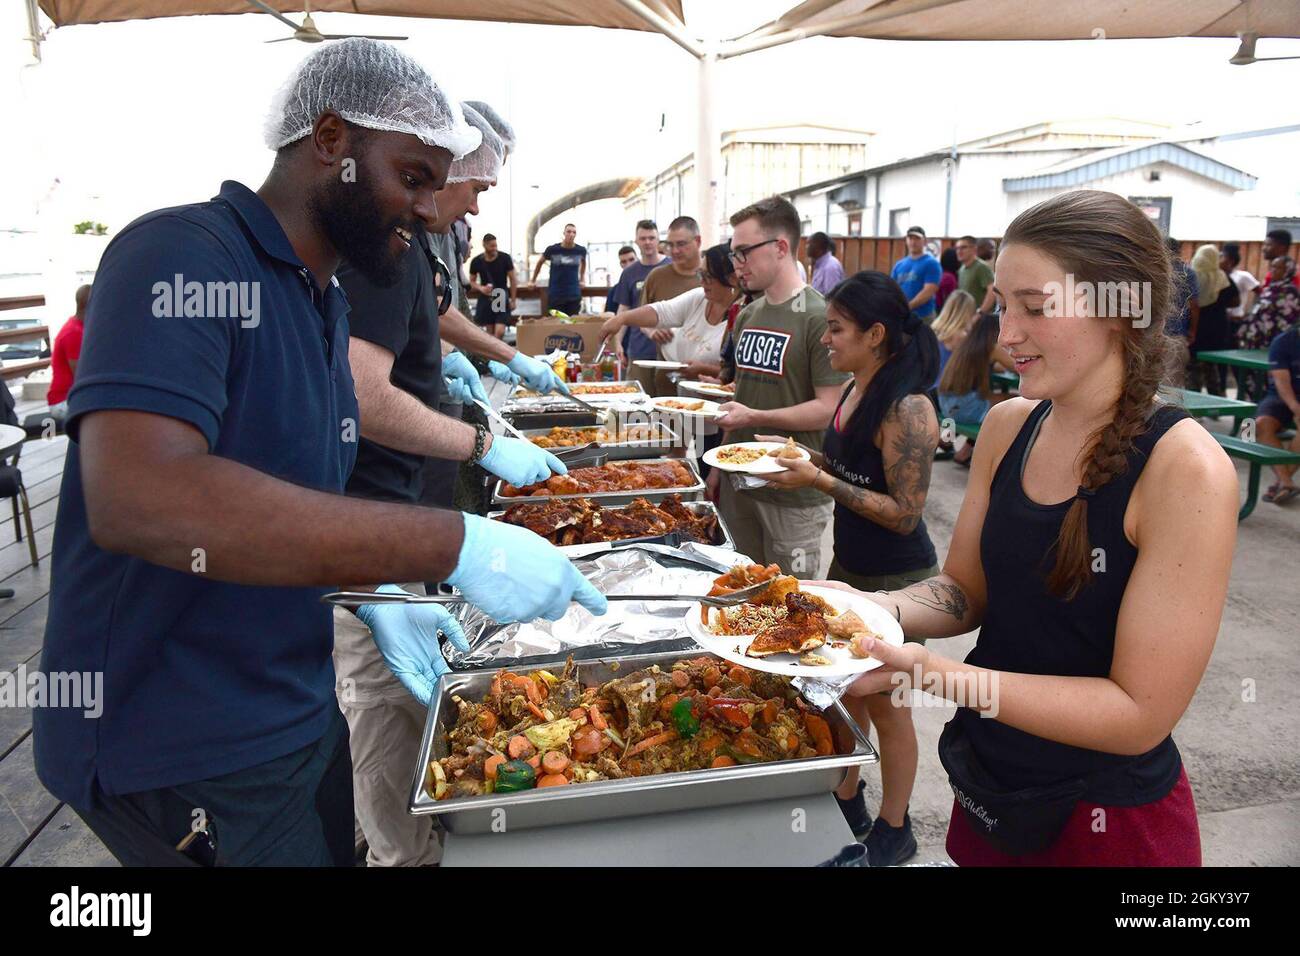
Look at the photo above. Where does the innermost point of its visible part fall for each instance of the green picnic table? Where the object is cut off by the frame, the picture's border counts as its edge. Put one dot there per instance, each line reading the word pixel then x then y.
pixel 1254 359
pixel 1004 381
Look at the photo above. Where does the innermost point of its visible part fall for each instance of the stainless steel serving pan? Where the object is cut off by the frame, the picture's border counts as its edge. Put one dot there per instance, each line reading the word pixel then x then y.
pixel 693 490
pixel 633 796
pixel 723 539
pixel 624 451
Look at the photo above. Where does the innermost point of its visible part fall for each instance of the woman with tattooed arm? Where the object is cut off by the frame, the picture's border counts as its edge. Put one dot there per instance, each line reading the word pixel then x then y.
pixel 1092 550
pixel 875 464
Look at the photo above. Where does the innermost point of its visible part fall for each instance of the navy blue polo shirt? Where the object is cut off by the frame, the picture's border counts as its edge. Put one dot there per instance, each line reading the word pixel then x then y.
pixel 200 677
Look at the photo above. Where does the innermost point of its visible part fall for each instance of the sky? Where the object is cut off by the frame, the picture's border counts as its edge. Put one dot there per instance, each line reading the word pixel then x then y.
pixel 134 116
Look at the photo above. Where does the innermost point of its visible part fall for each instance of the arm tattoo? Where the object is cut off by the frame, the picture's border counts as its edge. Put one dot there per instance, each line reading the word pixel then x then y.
pixel 941 596
pixel 911 449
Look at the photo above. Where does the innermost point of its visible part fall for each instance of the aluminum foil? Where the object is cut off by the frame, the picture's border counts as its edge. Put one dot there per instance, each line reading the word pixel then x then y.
pixel 629 627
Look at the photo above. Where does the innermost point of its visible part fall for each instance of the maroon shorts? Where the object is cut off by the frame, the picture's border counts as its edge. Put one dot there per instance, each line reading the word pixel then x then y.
pixel 1163 833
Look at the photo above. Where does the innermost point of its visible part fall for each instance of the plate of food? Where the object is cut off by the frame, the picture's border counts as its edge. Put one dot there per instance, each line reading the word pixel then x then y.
pixel 791 628
pixel 710 388
pixel 687 406
pixel 659 363
pixel 754 457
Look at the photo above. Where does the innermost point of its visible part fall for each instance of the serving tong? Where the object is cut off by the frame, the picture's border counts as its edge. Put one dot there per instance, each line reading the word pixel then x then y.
pixel 358 598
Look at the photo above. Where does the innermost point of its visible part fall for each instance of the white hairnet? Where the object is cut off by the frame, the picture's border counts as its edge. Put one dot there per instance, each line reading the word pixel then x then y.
pixel 498 124
pixel 483 164
pixel 370 84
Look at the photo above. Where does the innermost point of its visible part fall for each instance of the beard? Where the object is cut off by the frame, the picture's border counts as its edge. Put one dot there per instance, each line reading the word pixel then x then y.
pixel 346 213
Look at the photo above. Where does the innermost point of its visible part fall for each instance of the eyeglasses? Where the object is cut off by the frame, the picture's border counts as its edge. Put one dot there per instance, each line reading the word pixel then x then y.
pixel 441 274
pixel 741 253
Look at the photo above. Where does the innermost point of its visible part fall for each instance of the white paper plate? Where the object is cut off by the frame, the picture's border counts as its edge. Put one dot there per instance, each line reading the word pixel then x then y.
pixel 708 388
pixel 709 409
pixel 658 363
pixel 844 664
pixel 765 465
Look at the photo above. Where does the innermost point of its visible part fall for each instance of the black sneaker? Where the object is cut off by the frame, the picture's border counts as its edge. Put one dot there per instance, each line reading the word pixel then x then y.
pixel 890 846
pixel 855 854
pixel 855 812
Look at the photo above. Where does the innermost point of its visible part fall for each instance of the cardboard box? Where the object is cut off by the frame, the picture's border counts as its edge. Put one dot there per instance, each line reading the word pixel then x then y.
pixel 545 335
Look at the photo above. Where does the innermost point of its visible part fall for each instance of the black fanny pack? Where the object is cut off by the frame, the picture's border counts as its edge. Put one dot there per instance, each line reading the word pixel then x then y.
pixel 1015 822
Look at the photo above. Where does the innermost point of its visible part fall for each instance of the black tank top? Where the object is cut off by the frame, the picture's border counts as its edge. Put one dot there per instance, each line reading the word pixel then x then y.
pixel 1029 631
pixel 861 545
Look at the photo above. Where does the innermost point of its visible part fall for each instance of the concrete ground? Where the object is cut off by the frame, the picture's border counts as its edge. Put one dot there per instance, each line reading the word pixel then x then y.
pixel 1238 737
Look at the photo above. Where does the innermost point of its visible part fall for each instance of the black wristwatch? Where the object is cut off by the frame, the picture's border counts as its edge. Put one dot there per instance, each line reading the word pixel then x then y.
pixel 480 445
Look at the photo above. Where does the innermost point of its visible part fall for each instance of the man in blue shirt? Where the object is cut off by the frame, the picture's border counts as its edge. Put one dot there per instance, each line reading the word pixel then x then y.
pixel 1185 311
pixel 1280 408
pixel 633 344
pixel 918 273
pixel 568 267
pixel 201 518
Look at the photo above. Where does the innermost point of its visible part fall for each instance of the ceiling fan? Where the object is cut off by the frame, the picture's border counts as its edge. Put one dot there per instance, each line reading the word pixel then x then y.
pixel 307 32
pixel 1245 54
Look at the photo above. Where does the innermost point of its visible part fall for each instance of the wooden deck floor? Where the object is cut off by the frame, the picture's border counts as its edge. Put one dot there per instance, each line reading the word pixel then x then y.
pixel 35 828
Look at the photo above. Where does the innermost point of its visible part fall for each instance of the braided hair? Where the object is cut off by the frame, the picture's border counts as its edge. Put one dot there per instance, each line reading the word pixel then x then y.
pixel 1101 238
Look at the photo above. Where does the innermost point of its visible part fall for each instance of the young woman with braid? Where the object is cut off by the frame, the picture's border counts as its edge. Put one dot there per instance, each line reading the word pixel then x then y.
pixel 1092 550
pixel 875 463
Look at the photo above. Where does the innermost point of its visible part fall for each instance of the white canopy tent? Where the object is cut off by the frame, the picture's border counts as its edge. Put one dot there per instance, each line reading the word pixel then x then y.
pixel 875 19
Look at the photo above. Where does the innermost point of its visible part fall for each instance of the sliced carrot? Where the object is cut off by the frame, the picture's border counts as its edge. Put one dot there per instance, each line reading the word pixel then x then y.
pixel 535 761
pixel 666 705
pixel 770 711
pixel 520 746
pixel 715 691
pixel 536 711
pixel 487 722
pixel 578 714
pixel 554 762
pixel 792 743
pixel 820 732
pixel 722 762
pixel 711 742
pixel 643 745
pixel 740 675
pixel 597 718
pixel 711 676
pixel 552 780
pixel 490 766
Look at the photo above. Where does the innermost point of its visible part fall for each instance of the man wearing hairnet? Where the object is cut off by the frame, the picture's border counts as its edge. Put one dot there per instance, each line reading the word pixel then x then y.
pixel 214 424
pixel 397 363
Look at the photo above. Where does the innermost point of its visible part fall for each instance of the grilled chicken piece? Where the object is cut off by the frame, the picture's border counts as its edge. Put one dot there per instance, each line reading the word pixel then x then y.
pixel 803 629
pixel 639 693
pixel 845 625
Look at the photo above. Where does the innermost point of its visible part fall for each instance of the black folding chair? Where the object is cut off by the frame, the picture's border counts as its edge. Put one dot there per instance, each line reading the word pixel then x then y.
pixel 11 479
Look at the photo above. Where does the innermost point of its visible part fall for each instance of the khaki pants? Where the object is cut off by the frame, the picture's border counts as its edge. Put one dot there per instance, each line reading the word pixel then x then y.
pixel 776 534
pixel 386 724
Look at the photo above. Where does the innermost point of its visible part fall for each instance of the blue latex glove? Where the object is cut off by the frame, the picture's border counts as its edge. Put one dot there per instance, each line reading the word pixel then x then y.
pixel 513 574
pixel 538 376
pixel 521 462
pixel 457 366
pixel 458 393
pixel 407 637
pixel 502 373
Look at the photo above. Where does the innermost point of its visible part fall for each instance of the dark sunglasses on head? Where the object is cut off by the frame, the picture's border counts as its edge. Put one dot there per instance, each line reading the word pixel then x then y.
pixel 441 274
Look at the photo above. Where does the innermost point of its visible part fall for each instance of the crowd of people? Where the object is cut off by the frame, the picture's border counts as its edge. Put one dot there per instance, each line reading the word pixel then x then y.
pixel 206 506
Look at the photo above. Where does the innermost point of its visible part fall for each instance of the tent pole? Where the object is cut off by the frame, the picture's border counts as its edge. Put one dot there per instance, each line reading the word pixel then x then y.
pixel 708 151
pixel 669 29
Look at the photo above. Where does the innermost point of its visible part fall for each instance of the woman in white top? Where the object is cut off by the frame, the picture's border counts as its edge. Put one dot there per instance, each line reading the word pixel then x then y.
pixel 698 318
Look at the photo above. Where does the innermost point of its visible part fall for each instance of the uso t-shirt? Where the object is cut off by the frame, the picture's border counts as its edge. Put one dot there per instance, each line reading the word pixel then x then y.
pixel 780 360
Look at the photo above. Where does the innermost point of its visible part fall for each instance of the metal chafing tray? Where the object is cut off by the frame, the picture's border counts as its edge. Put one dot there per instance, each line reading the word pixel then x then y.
pixel 692 491
pixel 633 796
pixel 624 451
pixel 722 540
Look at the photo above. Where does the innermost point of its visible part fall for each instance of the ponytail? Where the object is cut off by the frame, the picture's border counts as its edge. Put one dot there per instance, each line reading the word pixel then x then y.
pixel 911 349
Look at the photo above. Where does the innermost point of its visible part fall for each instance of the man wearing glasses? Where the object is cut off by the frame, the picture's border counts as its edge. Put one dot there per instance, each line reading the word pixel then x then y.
pixel 784 386
pixel 679 275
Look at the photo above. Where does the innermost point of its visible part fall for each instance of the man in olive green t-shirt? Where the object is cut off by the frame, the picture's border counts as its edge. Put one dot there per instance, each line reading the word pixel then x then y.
pixel 784 386
pixel 668 281
pixel 974 276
